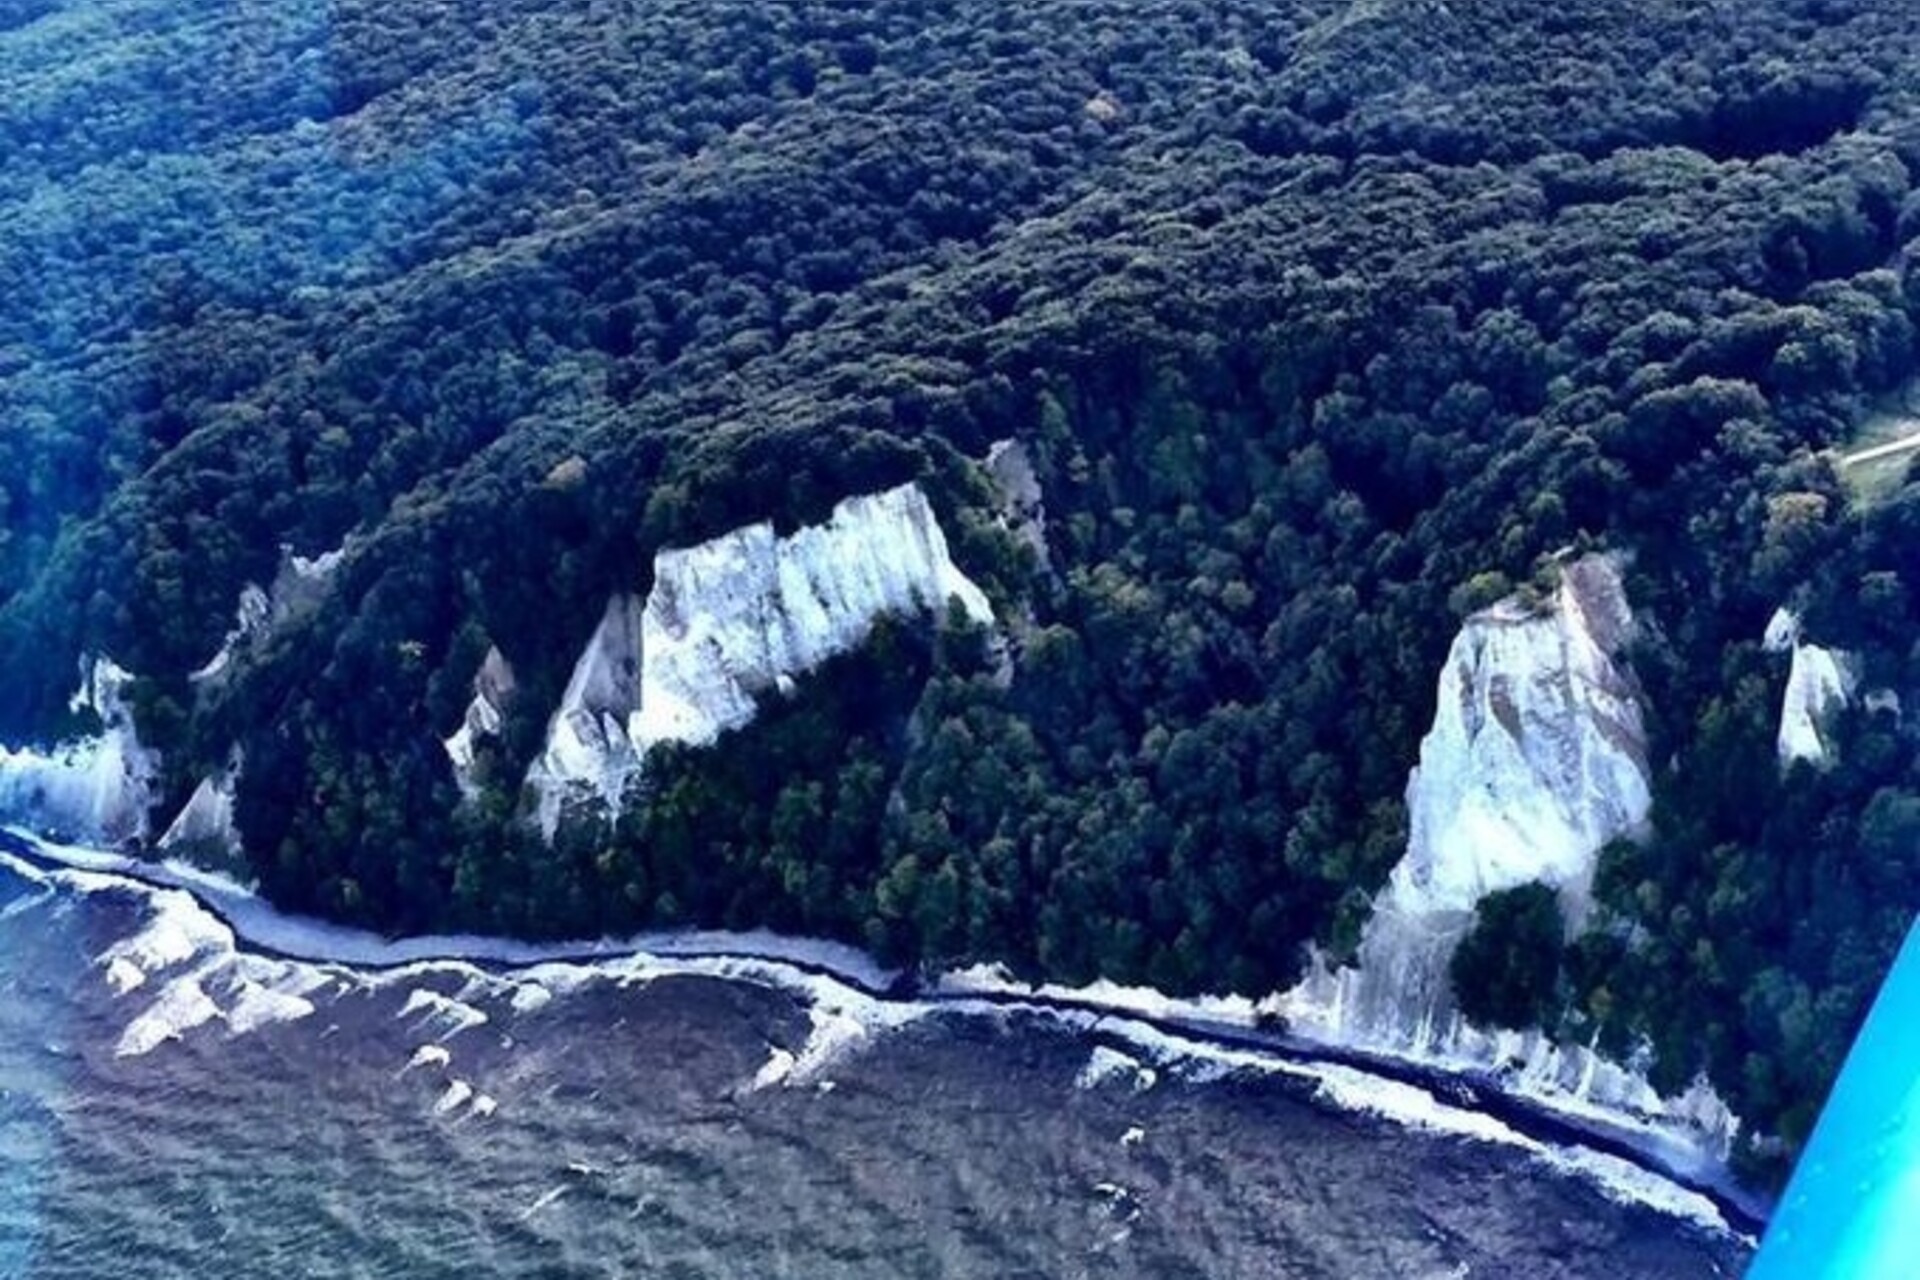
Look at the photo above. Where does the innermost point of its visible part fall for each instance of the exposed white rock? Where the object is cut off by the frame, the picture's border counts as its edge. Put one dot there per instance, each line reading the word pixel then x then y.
pixel 297 587
pixel 205 822
pixel 493 689
pixel 1880 701
pixel 1536 759
pixel 727 618
pixel 253 615
pixel 727 621
pixel 1819 683
pixel 587 744
pixel 97 788
pixel 1022 505
pixel 1537 755
pixel 1783 631
pixel 101 788
pixel 319 568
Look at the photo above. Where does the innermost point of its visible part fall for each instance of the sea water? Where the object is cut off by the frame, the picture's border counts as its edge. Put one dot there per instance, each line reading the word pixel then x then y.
pixel 172 1105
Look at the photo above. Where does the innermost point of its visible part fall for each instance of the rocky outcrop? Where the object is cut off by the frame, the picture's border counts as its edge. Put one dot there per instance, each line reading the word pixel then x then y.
pixel 493 689
pixel 96 788
pixel 588 751
pixel 1536 759
pixel 205 823
pixel 102 788
pixel 1022 505
pixel 727 619
pixel 1537 755
pixel 1820 682
pixel 731 619
pixel 297 588
pixel 253 616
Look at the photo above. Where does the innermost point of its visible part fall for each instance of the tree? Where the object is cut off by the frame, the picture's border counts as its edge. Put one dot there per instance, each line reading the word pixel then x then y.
pixel 1506 971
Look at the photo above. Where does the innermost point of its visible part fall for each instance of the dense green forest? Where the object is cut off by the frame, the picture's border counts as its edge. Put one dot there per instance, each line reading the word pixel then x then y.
pixel 1323 321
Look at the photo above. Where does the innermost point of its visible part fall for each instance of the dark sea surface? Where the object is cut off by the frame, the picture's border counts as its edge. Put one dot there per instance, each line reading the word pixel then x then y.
pixel 630 1120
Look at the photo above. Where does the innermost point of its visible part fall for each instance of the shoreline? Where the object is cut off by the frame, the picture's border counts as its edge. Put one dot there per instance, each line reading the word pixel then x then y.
pixel 1192 1031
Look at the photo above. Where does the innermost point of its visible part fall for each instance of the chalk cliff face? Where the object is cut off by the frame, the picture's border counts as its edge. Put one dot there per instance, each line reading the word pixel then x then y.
pixel 1537 757
pixel 1022 504
pixel 730 619
pixel 253 616
pixel 1819 682
pixel 205 823
pixel 587 750
pixel 102 788
pixel 493 689
pixel 98 788
pixel 297 587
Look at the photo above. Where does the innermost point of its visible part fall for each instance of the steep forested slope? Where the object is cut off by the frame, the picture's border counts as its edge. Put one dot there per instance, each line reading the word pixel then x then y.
pixel 1325 323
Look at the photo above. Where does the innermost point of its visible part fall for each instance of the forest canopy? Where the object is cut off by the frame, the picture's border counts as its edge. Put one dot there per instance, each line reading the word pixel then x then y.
pixel 1324 323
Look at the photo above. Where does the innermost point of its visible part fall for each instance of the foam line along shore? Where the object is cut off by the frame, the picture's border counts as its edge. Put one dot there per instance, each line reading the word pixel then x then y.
pixel 846 989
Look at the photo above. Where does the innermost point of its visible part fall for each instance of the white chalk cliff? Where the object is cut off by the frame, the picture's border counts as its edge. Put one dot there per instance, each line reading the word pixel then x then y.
pixel 297 587
pixel 205 823
pixel 101 788
pixel 1820 682
pixel 1536 759
pixel 254 615
pixel 729 620
pixel 97 788
pixel 493 689
pixel 1023 510
pixel 1537 756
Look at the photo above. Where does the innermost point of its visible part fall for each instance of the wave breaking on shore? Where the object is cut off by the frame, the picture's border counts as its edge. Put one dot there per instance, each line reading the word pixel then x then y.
pixel 212 952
